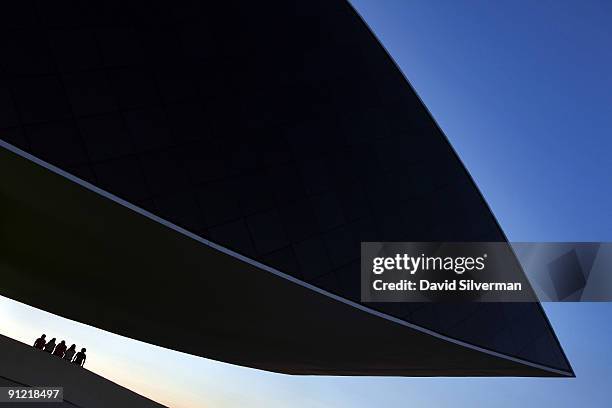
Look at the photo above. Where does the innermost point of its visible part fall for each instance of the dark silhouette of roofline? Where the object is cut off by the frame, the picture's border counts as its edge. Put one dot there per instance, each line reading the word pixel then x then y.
pixel 17 160
pixel 458 158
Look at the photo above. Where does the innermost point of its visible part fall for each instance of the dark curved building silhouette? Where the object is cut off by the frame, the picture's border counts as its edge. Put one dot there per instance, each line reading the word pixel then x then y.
pixel 204 174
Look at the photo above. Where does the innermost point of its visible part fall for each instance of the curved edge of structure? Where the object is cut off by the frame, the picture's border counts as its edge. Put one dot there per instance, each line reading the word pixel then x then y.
pixel 259 265
pixel 462 164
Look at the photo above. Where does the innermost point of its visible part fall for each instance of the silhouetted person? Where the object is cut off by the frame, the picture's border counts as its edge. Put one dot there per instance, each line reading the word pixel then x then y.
pixel 80 357
pixel 60 349
pixel 70 353
pixel 50 346
pixel 40 342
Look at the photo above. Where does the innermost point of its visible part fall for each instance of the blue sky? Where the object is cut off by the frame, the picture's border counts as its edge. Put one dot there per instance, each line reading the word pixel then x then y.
pixel 523 90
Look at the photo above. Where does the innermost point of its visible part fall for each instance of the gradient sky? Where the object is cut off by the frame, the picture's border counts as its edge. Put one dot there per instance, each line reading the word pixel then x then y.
pixel 523 90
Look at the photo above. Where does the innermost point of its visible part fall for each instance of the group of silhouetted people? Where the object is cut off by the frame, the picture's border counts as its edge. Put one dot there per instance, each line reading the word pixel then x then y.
pixel 61 350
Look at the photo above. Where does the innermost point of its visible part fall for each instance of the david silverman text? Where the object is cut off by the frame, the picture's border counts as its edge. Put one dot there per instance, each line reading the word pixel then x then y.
pixel 461 285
